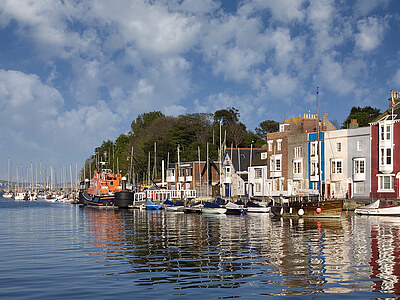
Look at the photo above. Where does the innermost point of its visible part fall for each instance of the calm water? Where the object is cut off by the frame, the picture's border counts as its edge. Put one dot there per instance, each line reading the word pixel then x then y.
pixel 62 251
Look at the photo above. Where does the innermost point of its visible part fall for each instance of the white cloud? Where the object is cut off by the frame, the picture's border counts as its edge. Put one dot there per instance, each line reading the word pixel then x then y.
pixel 174 110
pixel 371 32
pixel 363 7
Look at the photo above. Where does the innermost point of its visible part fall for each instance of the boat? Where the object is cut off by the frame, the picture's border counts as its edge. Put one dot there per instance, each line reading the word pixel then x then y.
pixel 150 205
pixel 173 206
pixel 311 207
pixel 20 196
pixel 103 186
pixel 8 195
pixel 235 209
pixel 194 208
pixel 212 208
pixel 253 207
pixel 381 207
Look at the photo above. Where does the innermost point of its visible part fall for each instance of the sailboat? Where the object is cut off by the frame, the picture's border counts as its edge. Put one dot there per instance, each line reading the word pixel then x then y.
pixel 313 206
pixel 8 194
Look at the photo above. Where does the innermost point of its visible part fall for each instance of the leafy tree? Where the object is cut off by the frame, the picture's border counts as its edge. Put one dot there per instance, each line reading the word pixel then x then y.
pixel 143 120
pixel 364 115
pixel 226 116
pixel 265 127
pixel 236 132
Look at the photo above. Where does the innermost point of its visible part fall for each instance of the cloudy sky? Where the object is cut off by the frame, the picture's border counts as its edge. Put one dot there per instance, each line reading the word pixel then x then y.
pixel 75 73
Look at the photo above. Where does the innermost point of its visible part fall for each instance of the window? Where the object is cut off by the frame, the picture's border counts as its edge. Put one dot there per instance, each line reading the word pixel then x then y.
pixel 386 183
pixel 385 132
pixel 359 187
pixel 228 171
pixel 189 172
pixel 181 172
pixel 297 167
pixel 336 167
pixel 314 149
pixel 359 145
pixel 270 145
pixel 298 152
pixel 258 187
pixel 338 147
pixel 314 168
pixel 359 166
pixel 275 163
pixel 257 173
pixel 264 155
pixel 279 145
pixel 385 156
pixel 171 172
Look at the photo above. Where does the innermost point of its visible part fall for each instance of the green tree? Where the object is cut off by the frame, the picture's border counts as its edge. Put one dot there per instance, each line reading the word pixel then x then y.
pixel 364 115
pixel 143 120
pixel 226 116
pixel 265 127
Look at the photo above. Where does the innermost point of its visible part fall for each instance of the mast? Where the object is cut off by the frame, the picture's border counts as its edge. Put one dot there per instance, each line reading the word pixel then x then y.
pixel 318 151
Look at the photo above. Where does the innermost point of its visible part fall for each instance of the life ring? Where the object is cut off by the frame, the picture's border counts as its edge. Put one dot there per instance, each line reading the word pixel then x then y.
pixel 300 212
pixel 318 210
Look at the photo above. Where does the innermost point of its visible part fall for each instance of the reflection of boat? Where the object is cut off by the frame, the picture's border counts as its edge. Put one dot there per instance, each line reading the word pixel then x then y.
pixel 150 205
pixel 380 207
pixel 308 207
pixel 212 208
pixel 235 209
pixel 103 186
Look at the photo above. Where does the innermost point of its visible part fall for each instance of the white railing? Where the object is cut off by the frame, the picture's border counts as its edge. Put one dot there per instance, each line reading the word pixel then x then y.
pixel 162 195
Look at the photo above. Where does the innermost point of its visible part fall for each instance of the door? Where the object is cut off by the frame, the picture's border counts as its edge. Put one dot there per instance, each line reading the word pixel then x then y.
pixel 227 190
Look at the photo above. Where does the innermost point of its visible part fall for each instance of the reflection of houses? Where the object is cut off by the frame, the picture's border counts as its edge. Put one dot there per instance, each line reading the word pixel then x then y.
pixel 347 162
pixel 235 170
pixel 289 140
pixel 194 176
pixel 385 152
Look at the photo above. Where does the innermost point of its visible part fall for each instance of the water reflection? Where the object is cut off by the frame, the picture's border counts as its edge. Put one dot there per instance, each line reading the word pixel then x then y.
pixel 271 256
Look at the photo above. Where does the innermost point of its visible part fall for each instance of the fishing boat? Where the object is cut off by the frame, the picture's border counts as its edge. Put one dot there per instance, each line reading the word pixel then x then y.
pixel 150 205
pixel 381 207
pixel 212 208
pixel 235 209
pixel 311 207
pixel 103 186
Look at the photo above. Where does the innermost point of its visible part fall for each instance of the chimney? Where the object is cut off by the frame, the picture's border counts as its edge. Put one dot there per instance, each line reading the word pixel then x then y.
pixel 353 124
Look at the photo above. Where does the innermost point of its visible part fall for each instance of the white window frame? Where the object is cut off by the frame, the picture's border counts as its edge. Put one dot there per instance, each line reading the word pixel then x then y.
pixel 297 167
pixel 359 145
pixel 279 145
pixel 337 166
pixel 298 151
pixel 270 145
pixel 258 173
pixel 264 155
pixel 359 166
pixel 385 183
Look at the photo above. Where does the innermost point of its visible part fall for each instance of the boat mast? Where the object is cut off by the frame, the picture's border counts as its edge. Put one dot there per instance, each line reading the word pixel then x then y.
pixel 318 151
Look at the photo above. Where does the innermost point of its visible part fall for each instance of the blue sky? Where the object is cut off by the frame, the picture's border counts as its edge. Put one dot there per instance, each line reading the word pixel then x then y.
pixel 75 73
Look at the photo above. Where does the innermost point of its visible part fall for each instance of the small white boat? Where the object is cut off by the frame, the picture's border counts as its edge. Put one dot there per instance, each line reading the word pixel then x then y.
pixel 20 196
pixel 8 195
pixel 212 208
pixel 381 207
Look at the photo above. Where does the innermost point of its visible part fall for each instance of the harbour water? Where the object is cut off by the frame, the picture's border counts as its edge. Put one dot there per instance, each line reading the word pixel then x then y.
pixel 63 251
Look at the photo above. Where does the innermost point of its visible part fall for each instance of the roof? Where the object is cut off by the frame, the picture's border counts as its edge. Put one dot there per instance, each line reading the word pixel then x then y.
pixel 257 161
pixel 244 154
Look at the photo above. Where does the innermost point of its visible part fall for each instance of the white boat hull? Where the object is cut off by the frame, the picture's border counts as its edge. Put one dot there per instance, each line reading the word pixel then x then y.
pixel 213 210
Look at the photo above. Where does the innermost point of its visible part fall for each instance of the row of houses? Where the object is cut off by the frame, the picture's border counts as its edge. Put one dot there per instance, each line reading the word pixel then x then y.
pixel 308 155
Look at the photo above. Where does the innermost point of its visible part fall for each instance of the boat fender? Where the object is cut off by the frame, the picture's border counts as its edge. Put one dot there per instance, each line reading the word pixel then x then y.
pixel 281 211
pixel 300 212
pixel 291 210
pixel 318 210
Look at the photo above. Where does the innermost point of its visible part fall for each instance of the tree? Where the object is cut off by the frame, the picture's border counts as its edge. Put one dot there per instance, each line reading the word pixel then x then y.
pixel 265 127
pixel 226 116
pixel 364 115
pixel 143 120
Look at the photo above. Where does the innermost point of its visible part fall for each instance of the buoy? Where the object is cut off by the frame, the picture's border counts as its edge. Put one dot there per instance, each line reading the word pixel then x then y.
pixel 318 210
pixel 300 212
pixel 281 211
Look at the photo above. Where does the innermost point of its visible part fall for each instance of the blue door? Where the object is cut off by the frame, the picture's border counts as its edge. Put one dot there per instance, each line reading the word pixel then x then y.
pixel 227 190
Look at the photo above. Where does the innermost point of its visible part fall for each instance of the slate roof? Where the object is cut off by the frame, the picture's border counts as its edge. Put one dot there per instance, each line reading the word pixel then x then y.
pixel 244 156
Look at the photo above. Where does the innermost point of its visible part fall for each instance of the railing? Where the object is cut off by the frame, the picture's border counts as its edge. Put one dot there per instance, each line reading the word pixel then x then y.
pixel 162 195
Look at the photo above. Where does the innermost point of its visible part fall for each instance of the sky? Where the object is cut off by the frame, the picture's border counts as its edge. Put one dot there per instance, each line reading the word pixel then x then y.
pixel 76 73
